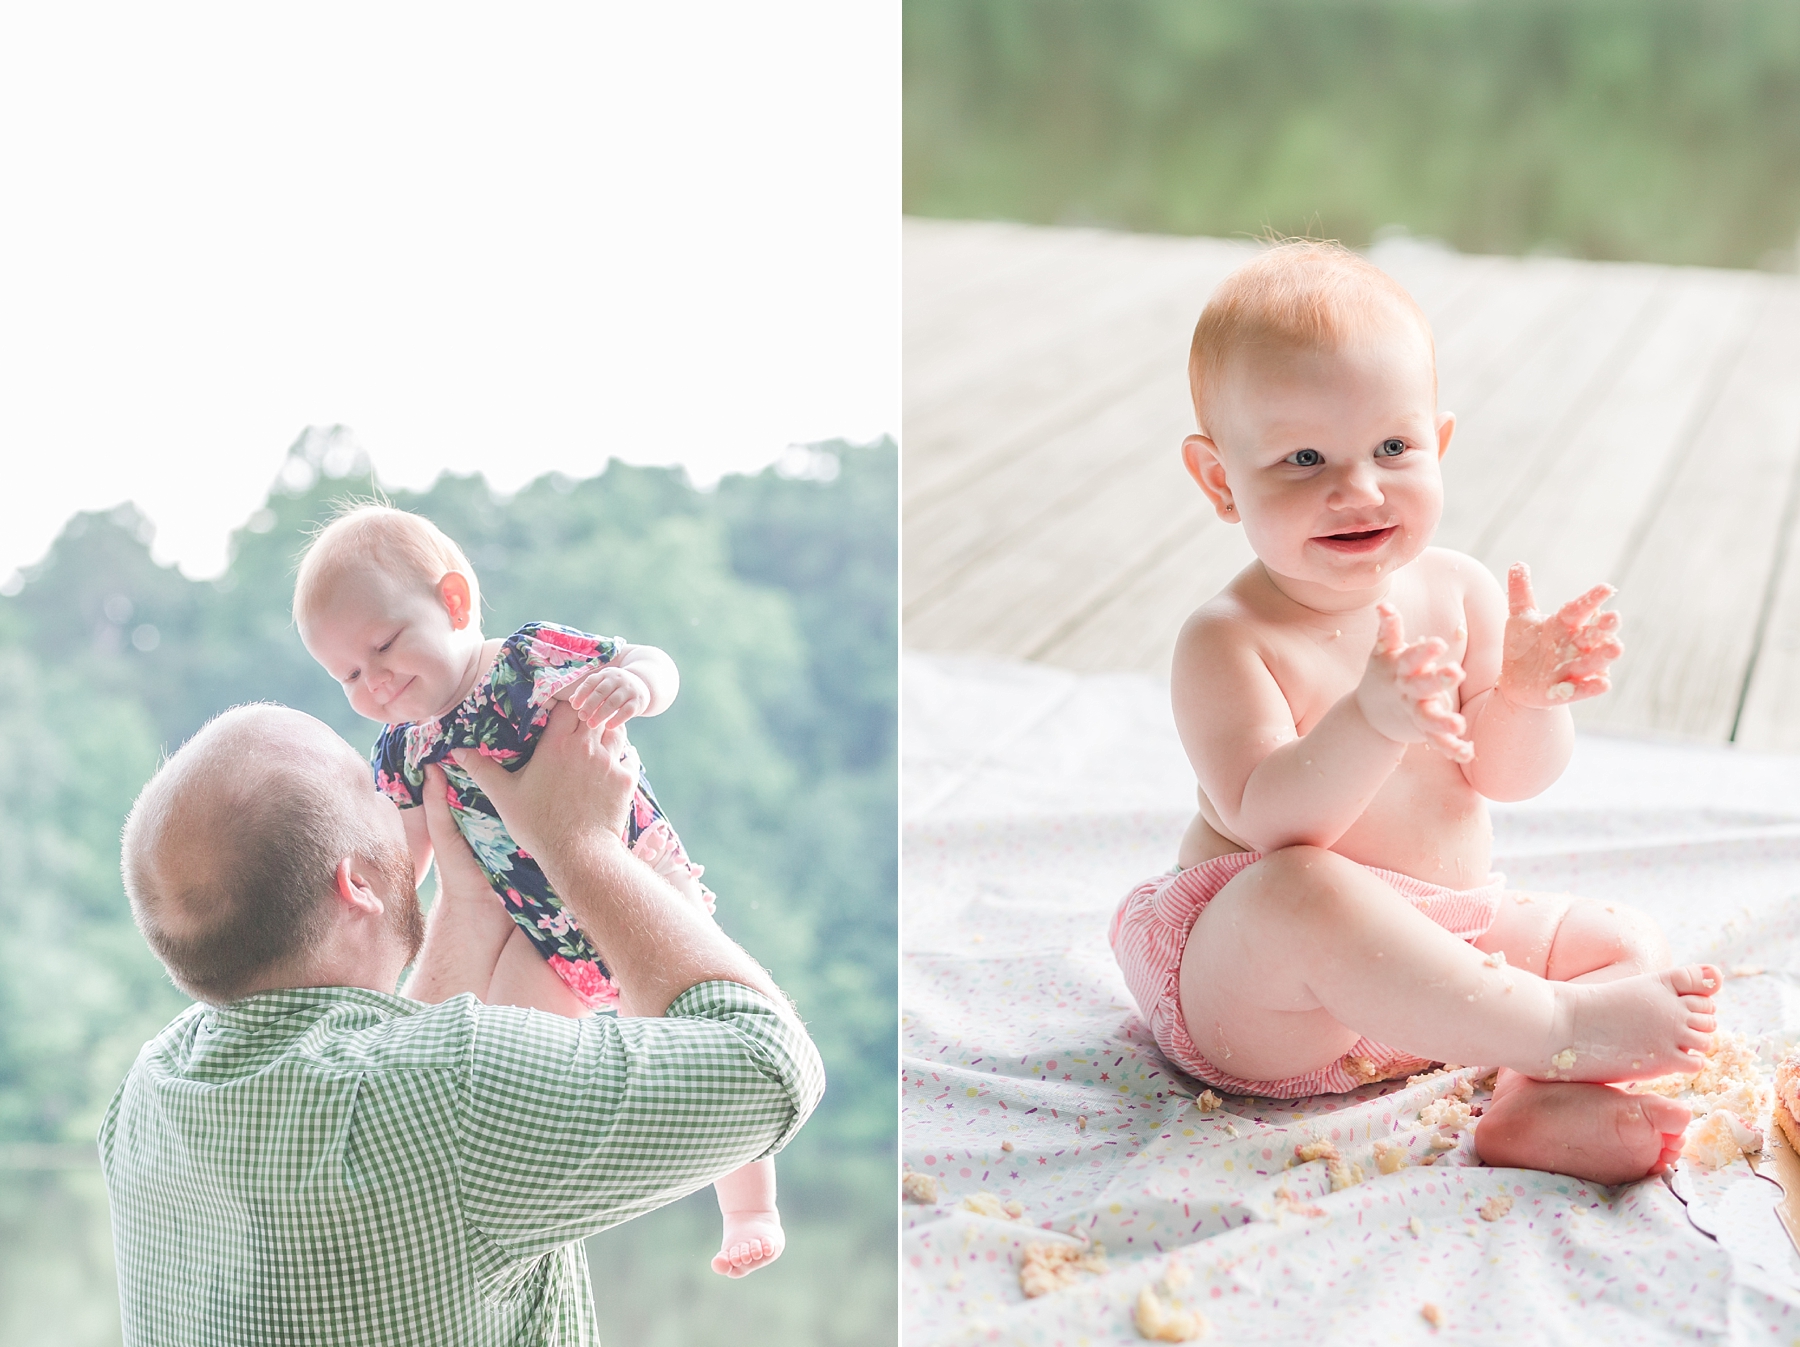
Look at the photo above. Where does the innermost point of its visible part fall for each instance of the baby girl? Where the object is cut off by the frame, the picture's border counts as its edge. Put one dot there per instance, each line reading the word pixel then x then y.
pixel 1349 702
pixel 390 607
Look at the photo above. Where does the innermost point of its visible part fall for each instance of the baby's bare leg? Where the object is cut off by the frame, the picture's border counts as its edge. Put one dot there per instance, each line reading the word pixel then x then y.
pixel 522 978
pixel 753 1234
pixel 1593 1132
pixel 1304 951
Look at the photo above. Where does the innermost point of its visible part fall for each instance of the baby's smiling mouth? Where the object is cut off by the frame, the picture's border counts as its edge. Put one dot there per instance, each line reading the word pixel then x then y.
pixel 1364 540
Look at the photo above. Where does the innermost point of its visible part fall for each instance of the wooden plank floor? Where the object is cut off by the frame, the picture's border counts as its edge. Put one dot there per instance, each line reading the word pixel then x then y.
pixel 1630 423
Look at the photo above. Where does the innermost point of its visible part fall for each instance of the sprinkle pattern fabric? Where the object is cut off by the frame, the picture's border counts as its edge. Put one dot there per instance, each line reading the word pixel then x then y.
pixel 332 1166
pixel 1035 798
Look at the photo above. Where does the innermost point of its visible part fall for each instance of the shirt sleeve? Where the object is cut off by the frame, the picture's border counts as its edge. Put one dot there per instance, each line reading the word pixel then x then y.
pixel 571 1126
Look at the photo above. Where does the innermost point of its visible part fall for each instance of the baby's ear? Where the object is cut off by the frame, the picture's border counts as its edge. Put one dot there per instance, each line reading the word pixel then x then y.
pixel 453 589
pixel 1446 427
pixel 1200 456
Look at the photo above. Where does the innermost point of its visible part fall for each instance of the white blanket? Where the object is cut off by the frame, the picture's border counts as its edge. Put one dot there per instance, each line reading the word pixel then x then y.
pixel 1033 799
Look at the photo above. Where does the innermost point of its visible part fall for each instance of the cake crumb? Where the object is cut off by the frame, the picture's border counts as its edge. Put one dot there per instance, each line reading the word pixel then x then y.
pixel 1208 1102
pixel 1342 1175
pixel 1440 1142
pixel 1495 1207
pixel 1496 960
pixel 1417 1227
pixel 1431 1314
pixel 1720 1139
pixel 1162 1322
pixel 1081 1123
pixel 1044 1268
pixel 1564 1059
pixel 986 1204
pixel 1449 1113
pixel 1747 970
pixel 1006 1145
pixel 1284 1198
pixel 915 1187
pixel 1390 1157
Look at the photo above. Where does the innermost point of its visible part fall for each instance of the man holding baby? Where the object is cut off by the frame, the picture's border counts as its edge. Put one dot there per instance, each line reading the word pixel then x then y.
pixel 305 1157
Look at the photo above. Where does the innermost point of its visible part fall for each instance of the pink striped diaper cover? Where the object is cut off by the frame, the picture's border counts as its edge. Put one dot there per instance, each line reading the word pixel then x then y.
pixel 1150 933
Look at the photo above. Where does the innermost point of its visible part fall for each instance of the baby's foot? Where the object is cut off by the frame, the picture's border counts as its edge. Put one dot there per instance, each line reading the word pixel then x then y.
pixel 1632 1028
pixel 1592 1132
pixel 753 1239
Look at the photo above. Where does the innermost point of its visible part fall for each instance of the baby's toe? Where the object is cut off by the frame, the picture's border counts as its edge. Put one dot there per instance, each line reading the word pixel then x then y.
pixel 1701 979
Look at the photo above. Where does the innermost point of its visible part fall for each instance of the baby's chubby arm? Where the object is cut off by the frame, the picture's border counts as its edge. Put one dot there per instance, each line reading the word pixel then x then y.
pixel 639 680
pixel 418 840
pixel 1273 788
pixel 1527 668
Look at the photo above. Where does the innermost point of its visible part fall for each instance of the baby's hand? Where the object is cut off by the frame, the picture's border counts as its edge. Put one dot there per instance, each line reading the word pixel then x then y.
pixel 1408 692
pixel 608 697
pixel 1552 660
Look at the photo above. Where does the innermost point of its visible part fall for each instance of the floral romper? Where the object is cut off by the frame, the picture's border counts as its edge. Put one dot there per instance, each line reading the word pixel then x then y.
pixel 502 718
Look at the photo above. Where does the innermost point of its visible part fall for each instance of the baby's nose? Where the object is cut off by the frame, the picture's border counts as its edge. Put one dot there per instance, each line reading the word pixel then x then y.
pixel 1358 485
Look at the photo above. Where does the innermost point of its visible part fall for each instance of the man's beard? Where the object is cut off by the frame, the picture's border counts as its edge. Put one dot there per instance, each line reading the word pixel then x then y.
pixel 405 920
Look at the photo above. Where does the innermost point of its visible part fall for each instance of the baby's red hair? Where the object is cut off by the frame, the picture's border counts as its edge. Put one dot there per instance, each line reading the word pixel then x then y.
pixel 1297 295
pixel 370 536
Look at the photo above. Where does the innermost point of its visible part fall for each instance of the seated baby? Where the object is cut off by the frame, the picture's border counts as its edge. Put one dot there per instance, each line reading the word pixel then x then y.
pixel 390 607
pixel 1349 702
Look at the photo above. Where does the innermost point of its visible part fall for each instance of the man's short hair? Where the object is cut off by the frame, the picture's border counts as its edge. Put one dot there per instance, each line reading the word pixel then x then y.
pixel 1296 295
pixel 367 536
pixel 230 854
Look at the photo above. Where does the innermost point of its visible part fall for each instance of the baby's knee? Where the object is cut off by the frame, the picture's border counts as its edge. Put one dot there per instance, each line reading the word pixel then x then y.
pixel 1595 935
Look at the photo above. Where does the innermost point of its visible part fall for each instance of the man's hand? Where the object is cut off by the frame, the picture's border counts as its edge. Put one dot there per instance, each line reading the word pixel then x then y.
pixel 1552 660
pixel 567 806
pixel 1408 692
pixel 578 784
pixel 608 697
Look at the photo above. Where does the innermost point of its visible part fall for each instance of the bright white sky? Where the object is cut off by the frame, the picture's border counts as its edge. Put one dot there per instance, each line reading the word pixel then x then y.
pixel 499 238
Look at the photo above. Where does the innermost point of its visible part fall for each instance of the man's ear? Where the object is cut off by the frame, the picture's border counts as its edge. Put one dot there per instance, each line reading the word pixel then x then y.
pixel 1446 428
pixel 351 887
pixel 1200 456
pixel 453 589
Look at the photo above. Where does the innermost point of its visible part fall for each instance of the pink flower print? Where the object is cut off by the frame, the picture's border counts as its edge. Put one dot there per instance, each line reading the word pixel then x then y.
pixel 585 646
pixel 513 896
pixel 557 924
pixel 585 979
pixel 641 811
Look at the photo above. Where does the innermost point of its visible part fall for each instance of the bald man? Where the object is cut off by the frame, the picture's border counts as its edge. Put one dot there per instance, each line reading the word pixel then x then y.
pixel 307 1158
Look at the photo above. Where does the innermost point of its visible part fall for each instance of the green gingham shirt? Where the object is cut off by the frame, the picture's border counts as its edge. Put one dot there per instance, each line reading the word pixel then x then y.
pixel 328 1165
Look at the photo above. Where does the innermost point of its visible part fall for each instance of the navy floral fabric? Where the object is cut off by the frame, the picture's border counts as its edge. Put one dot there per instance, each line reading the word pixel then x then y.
pixel 502 719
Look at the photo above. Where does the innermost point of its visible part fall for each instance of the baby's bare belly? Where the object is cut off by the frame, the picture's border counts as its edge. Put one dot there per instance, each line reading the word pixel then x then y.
pixel 1420 824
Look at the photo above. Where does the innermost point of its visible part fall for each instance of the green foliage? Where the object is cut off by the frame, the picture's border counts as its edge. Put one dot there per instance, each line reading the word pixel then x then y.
pixel 1653 130
pixel 777 599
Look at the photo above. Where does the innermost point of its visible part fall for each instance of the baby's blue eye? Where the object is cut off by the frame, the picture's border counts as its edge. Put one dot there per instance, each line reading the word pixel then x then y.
pixel 353 675
pixel 1306 458
pixel 1392 448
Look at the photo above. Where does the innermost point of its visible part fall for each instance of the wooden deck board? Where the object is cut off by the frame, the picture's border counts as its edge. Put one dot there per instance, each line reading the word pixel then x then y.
pixel 1638 424
pixel 1701 572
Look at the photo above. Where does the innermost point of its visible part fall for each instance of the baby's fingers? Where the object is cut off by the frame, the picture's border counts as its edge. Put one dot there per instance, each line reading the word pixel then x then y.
pixel 1578 611
pixel 1390 638
pixel 1586 666
pixel 1519 598
pixel 1420 656
pixel 1452 747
